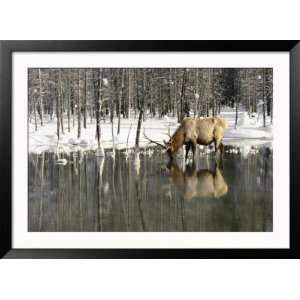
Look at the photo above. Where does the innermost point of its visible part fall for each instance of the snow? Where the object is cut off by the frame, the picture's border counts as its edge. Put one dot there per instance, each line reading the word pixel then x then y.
pixel 105 81
pixel 247 128
pixel 62 161
pixel 45 138
pixel 249 131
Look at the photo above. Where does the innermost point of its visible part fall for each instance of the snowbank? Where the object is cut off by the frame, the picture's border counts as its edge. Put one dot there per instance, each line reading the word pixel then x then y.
pixel 45 138
pixel 247 128
pixel 248 131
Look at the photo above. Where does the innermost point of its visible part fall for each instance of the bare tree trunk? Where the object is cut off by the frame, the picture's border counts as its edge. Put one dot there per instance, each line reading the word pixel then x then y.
pixel 79 106
pixel 98 107
pixel 255 92
pixel 171 107
pixel 175 97
pixel 214 110
pixel 196 94
pixel 237 96
pixel 130 90
pixel 137 139
pixel 120 99
pixel 208 92
pixel 264 96
pixel 141 99
pixel 182 96
pixel 74 97
pixel 248 93
pixel 84 98
pixel 172 93
pixel 61 105
pixel 237 100
pixel 41 97
pixel 34 109
pixel 113 135
pixel 236 112
pixel 91 97
pixel 58 106
pixel 69 105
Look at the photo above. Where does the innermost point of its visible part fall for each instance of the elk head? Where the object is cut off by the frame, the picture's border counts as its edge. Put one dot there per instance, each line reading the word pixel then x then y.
pixel 168 146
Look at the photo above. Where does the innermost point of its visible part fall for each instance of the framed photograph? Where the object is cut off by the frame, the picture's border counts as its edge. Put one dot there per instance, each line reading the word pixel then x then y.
pixel 149 149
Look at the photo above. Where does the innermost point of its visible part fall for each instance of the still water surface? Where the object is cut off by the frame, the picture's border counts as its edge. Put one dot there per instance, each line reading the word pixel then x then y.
pixel 144 193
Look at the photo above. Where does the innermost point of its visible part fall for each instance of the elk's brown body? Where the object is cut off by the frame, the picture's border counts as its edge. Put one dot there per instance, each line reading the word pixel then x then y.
pixel 197 131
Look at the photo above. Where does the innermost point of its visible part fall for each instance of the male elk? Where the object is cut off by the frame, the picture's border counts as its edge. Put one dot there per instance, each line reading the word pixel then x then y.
pixel 202 183
pixel 195 131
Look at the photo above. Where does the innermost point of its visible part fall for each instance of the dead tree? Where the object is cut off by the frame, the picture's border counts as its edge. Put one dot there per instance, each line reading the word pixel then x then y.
pixel 98 103
pixel 84 98
pixel 61 102
pixel 41 97
pixel 264 97
pixel 69 102
pixel 182 96
pixel 141 93
pixel 58 105
pixel 120 100
pixel 79 106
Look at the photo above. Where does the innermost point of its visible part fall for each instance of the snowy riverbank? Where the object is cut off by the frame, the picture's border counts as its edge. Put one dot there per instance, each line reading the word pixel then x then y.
pixel 248 131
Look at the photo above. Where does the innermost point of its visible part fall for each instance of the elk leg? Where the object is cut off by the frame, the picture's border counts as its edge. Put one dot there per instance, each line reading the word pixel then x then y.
pixel 216 146
pixel 221 147
pixel 220 165
pixel 187 149
pixel 221 155
pixel 193 150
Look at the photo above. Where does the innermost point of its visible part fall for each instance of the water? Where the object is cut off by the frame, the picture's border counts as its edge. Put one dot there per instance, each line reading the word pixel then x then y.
pixel 143 193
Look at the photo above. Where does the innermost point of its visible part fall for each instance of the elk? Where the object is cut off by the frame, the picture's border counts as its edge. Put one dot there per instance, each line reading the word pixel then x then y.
pixel 193 131
pixel 203 183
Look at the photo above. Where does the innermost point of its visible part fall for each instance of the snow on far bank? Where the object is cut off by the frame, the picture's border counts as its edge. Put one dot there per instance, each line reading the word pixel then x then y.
pixel 45 138
pixel 249 130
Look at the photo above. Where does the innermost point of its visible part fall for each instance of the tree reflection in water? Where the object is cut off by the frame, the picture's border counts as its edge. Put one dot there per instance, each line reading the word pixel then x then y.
pixel 143 193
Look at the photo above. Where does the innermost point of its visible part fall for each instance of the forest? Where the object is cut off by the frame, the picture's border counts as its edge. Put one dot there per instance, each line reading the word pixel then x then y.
pixel 79 117
pixel 73 98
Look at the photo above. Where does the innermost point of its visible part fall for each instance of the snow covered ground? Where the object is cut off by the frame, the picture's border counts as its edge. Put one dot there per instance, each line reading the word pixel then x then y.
pixel 249 131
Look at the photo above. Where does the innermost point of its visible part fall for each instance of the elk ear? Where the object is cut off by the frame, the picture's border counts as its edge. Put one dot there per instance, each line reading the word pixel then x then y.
pixel 166 143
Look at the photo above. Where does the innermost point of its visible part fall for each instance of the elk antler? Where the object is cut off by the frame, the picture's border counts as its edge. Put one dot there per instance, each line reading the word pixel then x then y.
pixel 153 142
pixel 169 134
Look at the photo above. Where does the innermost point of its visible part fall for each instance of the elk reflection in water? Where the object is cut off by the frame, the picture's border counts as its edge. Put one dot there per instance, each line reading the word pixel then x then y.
pixel 201 183
pixel 141 193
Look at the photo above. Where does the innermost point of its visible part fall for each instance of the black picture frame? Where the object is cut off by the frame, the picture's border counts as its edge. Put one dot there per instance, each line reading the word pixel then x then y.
pixel 7 48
